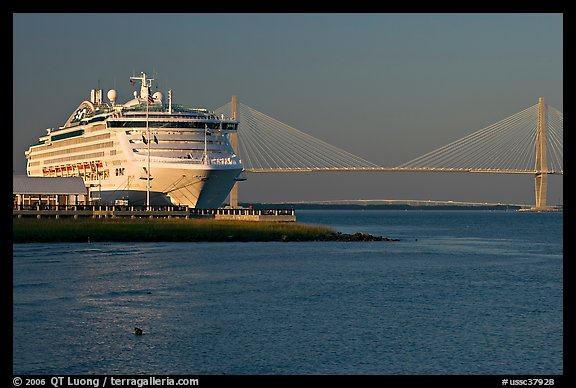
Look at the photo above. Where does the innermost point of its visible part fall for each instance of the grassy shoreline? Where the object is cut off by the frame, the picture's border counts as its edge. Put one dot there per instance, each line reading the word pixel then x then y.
pixel 45 230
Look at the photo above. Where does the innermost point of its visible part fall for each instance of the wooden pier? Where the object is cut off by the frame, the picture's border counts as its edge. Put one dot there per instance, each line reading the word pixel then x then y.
pixel 110 211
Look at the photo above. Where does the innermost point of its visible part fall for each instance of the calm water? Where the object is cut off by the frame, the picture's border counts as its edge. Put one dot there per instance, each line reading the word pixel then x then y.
pixel 463 292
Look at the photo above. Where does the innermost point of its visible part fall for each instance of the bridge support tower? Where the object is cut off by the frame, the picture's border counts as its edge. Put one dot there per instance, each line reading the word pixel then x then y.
pixel 541 177
pixel 234 141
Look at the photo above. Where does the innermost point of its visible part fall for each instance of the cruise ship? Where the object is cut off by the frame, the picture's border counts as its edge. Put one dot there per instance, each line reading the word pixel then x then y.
pixel 146 151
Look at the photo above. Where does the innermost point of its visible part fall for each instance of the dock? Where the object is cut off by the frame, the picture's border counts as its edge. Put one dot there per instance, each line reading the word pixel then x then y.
pixel 114 211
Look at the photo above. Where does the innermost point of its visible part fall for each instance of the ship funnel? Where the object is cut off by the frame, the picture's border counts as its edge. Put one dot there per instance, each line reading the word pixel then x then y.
pixel 96 96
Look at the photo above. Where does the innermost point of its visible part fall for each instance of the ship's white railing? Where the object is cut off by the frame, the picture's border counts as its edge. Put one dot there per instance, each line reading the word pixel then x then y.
pixel 210 161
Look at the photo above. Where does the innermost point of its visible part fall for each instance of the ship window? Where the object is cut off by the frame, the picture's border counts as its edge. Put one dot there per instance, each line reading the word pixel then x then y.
pixel 95 119
pixel 67 135
pixel 164 124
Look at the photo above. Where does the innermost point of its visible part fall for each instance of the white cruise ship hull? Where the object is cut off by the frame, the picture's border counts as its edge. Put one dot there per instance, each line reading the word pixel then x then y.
pixel 203 187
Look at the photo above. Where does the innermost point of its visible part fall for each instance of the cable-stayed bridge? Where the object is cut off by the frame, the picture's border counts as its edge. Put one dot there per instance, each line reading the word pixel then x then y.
pixel 527 142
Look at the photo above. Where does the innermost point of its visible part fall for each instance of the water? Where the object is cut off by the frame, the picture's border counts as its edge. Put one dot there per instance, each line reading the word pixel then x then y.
pixel 463 292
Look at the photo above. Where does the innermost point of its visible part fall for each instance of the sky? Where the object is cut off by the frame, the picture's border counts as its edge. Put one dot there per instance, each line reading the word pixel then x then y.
pixel 387 87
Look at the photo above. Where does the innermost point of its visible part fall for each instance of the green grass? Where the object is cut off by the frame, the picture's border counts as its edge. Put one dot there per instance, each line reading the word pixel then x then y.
pixel 32 230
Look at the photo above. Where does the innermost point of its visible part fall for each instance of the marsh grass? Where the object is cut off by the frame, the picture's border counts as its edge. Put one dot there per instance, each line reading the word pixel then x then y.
pixel 29 230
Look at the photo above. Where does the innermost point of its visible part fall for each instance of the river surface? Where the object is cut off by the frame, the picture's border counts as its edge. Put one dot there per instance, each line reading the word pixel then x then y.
pixel 462 292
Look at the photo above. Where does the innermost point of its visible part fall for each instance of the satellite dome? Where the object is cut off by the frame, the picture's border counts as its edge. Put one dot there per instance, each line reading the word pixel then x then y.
pixel 112 95
pixel 157 96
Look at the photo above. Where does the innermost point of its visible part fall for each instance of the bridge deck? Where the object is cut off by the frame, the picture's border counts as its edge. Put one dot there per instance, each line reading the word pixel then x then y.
pixel 401 169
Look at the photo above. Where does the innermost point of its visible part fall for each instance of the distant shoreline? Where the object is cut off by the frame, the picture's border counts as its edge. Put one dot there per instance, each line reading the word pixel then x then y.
pixel 49 230
pixel 380 206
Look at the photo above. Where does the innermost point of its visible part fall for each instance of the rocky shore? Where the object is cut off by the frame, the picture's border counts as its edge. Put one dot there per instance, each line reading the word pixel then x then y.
pixel 45 230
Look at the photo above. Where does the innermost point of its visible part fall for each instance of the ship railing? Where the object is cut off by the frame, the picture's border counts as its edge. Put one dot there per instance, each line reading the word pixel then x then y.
pixel 211 161
pixel 223 161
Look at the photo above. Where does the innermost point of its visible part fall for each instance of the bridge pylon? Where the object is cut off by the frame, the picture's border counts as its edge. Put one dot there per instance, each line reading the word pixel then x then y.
pixel 234 142
pixel 541 167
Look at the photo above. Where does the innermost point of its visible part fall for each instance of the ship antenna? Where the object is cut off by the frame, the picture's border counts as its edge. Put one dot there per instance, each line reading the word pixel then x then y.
pixel 148 169
pixel 145 93
pixel 147 84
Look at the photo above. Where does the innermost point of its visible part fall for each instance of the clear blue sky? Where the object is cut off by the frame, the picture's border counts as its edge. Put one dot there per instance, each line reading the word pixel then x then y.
pixel 386 87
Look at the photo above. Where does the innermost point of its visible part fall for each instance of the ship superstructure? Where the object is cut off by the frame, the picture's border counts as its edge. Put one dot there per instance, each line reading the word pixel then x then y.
pixel 146 151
